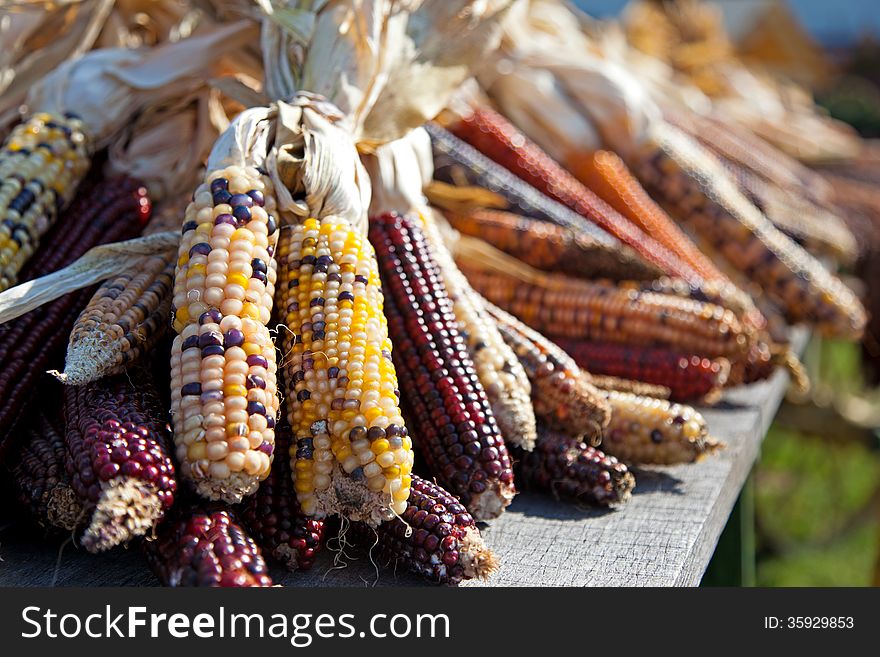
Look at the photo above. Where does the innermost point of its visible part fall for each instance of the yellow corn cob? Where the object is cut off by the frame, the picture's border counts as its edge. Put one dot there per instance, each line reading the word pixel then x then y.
pixel 352 454
pixel 648 430
pixel 223 391
pixel 498 368
pixel 41 163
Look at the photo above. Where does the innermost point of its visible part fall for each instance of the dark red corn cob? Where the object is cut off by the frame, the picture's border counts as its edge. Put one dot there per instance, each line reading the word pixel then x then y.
pixel 436 537
pixel 452 422
pixel 198 547
pixel 274 517
pixel 119 459
pixel 39 473
pixel 103 211
pixel 688 377
pixel 569 468
pixel 494 136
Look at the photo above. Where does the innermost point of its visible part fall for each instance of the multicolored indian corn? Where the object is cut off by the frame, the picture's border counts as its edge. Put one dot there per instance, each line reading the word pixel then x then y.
pixel 353 454
pixel 561 395
pixel 201 547
pixel 435 537
pixel 655 431
pixel 452 419
pixel 274 517
pixel 224 399
pixel 120 464
pixel 569 468
pixel 41 163
pixel 689 377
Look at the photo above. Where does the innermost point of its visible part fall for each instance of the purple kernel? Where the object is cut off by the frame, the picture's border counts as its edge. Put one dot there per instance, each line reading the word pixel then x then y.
pixel 211 316
pixel 210 338
pixel 191 389
pixel 211 396
pixel 241 199
pixel 270 422
pixel 267 448
pixel 254 381
pixel 219 183
pixel 188 226
pixel 213 350
pixel 257 197
pixel 257 360
pixel 242 214
pixel 221 196
pixel 202 248
pixel 190 342
pixel 108 471
pixel 256 408
pixel 271 226
pixel 260 276
pixel 224 219
pixel 233 338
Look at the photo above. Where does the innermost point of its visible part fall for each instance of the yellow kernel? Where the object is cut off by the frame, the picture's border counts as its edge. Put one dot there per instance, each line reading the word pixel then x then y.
pixel 237 279
pixel 234 390
pixel 380 445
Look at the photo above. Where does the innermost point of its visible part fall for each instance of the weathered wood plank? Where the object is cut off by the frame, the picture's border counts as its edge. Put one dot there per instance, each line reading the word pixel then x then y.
pixel 664 536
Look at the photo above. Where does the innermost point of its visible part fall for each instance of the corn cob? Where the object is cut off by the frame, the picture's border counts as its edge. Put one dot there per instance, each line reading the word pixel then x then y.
pixel 205 548
pixel 435 537
pixel 692 182
pixel 817 230
pixel 39 473
pixel 458 163
pixel 605 382
pixel 562 397
pixel 102 212
pixel 688 377
pixel 497 138
pixel 119 459
pixel 353 453
pixel 41 163
pixel 224 398
pixel 498 369
pixel 569 468
pixel 274 518
pixel 562 307
pixel 655 431
pixel 123 321
pixel 607 176
pixel 549 247
pixel 456 430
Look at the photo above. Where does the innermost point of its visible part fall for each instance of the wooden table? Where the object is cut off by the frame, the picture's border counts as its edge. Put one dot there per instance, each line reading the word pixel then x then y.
pixel 664 536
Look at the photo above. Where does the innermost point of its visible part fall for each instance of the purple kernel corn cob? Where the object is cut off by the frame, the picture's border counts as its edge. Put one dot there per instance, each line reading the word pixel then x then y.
pixel 436 537
pixel 569 468
pixel 452 421
pixel 119 458
pixel 206 548
pixel 39 474
pixel 276 520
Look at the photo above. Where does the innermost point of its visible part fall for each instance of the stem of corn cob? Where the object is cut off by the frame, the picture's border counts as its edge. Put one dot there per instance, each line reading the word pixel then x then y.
pixel 224 398
pixel 39 473
pixel 119 461
pixel 353 454
pixel 274 517
pixel 688 377
pixel 41 163
pixel 435 537
pixel 498 368
pixel 572 308
pixel 655 431
pixel 199 547
pixel 103 211
pixel 494 136
pixel 123 321
pixel 456 429
pixel 562 397
pixel 569 468
pixel 692 182
pixel 549 247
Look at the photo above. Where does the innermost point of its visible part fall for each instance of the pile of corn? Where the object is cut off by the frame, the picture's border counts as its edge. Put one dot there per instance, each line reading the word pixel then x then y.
pixel 234 397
